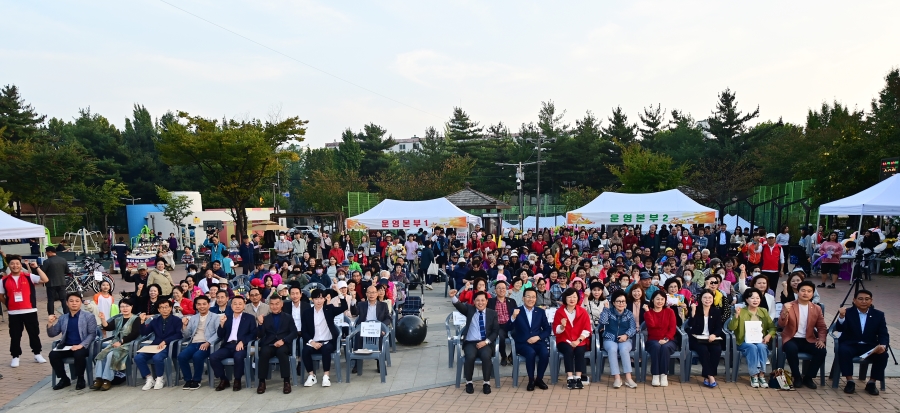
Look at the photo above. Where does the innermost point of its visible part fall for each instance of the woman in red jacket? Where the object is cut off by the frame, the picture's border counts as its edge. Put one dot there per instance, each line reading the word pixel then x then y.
pixel 572 326
pixel 480 284
pixel 660 337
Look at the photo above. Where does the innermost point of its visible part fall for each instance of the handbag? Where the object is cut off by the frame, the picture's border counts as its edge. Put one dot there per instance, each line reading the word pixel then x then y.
pixel 432 269
pixel 780 379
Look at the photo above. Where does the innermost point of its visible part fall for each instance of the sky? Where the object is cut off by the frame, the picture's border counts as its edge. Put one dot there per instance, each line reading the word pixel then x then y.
pixel 404 65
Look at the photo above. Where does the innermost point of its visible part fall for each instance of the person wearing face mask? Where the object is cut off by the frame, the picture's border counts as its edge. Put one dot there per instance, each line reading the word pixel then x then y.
pixel 320 277
pixel 283 248
pixel 499 269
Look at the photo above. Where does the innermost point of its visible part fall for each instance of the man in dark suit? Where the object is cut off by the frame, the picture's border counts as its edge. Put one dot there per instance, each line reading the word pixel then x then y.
pixel 651 240
pixel 863 328
pixel 531 333
pixel 504 307
pixel 370 310
pixel 276 339
pixel 319 334
pixel 721 241
pixel 482 329
pixel 235 333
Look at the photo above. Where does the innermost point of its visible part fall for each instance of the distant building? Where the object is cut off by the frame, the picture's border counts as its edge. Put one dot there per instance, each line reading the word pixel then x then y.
pixel 402 145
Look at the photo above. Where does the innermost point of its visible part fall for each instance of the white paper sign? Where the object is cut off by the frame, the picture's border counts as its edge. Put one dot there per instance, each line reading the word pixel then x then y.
pixel 753 332
pixel 98 276
pixel 777 312
pixel 339 321
pixel 459 319
pixel 370 329
pixel 551 313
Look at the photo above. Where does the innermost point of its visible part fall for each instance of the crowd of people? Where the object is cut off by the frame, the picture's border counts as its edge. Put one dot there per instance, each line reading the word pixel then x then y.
pixel 664 282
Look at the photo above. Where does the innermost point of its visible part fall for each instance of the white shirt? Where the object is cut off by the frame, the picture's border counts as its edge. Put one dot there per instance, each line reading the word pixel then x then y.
pixel 34 279
pixel 802 321
pixel 235 323
pixel 295 314
pixel 104 305
pixel 371 314
pixel 322 334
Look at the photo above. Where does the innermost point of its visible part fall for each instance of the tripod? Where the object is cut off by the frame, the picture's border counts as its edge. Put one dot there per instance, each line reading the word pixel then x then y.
pixel 856 284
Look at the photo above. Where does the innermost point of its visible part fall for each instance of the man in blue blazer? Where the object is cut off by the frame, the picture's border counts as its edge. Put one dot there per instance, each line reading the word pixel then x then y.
pixel 531 330
pixel 235 332
pixel 862 328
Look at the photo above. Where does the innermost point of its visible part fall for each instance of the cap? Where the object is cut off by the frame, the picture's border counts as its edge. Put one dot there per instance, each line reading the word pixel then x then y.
pixel 645 275
pixel 514 254
pixel 345 263
pixel 669 249
pixel 501 277
pixel 770 235
pixel 461 260
pixel 142 266
pixel 798 269
pixel 341 284
pixel 284 287
pixel 384 281
pixel 504 258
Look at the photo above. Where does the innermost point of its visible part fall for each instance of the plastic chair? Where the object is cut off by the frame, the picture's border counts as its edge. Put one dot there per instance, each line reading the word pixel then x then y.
pixel 640 370
pixel 738 355
pixel 317 358
pixel 273 362
pixel 248 367
pixel 461 360
pixel 683 362
pixel 517 360
pixel 804 357
pixel 727 354
pixel 169 364
pixel 240 284
pixel 70 361
pixel 452 337
pixel 377 345
pixel 835 366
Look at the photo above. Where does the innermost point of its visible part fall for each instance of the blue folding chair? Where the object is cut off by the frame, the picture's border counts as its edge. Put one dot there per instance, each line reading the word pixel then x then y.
pixel 376 349
pixel 462 359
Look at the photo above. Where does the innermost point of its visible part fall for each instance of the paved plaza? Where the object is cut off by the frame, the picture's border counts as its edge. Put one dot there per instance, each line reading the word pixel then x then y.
pixel 419 381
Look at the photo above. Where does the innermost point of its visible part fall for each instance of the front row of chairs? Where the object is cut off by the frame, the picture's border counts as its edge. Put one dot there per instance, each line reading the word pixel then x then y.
pixel 375 348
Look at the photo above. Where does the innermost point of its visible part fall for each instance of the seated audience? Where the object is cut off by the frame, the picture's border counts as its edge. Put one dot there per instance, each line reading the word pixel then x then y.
pixel 276 339
pixel 482 329
pixel 78 329
pixel 235 332
pixel 113 358
pixel 804 331
pixel 319 334
pixel 862 328
pixel 531 333
pixel 756 353
pixel 706 337
pixel 660 337
pixel 618 330
pixel 202 329
pixel 166 329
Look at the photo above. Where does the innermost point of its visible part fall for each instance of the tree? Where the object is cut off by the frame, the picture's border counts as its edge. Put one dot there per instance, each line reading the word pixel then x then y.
pixel 683 140
pixel 373 145
pixel 653 120
pixel 724 179
pixel 326 189
pixel 104 199
pixel 448 178
pixel 644 171
pixel 574 197
pixel 619 130
pixel 235 157
pixel 842 165
pixel 176 208
pixel 777 155
pixel 18 120
pixel 729 127
pixel 349 154
pixel 462 132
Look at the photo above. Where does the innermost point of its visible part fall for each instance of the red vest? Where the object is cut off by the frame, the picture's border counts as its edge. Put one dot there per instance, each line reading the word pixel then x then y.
pixel 771 259
pixel 25 286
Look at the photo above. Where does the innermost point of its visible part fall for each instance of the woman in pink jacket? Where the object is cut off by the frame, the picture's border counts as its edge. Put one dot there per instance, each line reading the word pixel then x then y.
pixel 831 252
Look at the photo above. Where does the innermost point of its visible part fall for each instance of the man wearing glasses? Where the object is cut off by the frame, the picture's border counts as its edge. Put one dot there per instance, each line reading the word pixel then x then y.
pixel 863 329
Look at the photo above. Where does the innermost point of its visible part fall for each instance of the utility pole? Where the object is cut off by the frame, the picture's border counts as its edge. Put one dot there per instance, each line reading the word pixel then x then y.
pixel 520 178
pixel 537 215
pixel 131 198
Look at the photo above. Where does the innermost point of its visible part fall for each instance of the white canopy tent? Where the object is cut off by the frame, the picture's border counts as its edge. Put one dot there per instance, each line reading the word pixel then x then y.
pixel 666 207
pixel 882 198
pixel 733 221
pixel 394 214
pixel 14 228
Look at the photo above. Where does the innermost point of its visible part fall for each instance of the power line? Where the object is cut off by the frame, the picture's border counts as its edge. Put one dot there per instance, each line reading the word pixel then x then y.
pixel 300 61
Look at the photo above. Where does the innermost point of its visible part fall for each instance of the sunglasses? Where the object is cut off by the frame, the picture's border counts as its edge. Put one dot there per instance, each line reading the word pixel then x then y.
pixel 713 282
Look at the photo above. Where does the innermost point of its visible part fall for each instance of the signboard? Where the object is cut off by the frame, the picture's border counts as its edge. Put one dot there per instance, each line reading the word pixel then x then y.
pixel 625 217
pixel 889 167
pixel 406 223
pixel 370 329
pixel 459 319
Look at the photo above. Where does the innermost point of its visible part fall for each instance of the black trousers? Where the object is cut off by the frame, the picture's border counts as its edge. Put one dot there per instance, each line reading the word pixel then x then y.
pixel 501 339
pixel 573 357
pixel 847 351
pixel 54 294
pixel 471 352
pixel 773 279
pixel 709 354
pixel 28 322
pixel 795 346
pixel 59 367
pixel 283 355
pixel 326 350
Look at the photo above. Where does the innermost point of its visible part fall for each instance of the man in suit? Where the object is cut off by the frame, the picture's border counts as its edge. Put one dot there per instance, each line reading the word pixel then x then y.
pixel 319 334
pixel 201 328
pixel 370 310
pixel 804 332
pixel 235 333
pixel 482 329
pixel 78 329
pixel 504 307
pixel 531 333
pixel 276 338
pixel 863 328
pixel 651 240
pixel 256 307
pixel 722 238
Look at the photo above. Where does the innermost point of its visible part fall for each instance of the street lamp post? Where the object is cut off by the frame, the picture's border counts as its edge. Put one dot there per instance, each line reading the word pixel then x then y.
pixel 520 178
pixel 130 198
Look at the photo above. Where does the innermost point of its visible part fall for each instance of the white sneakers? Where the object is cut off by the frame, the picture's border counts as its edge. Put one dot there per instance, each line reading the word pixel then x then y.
pixel 310 380
pixel 655 381
pixel 326 382
pixel 664 380
pixel 39 358
pixel 15 362
pixel 149 384
pixel 617 383
pixel 630 384
pixel 428 287
pixel 160 383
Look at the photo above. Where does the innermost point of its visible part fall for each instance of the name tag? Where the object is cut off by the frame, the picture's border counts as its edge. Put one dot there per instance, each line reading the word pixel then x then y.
pixel 17 297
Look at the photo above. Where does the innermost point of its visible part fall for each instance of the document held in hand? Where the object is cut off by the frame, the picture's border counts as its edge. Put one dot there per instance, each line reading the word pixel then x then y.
pixel 753 332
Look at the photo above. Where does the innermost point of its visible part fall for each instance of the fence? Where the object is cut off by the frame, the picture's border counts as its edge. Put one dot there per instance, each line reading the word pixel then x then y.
pixel 794 215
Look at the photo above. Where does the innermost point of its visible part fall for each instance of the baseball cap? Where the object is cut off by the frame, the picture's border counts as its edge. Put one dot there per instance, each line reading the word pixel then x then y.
pixel 669 249
pixel 341 284
pixel 514 254
pixel 504 258
pixel 461 260
pixel 770 235
pixel 345 263
pixel 645 275
pixel 142 266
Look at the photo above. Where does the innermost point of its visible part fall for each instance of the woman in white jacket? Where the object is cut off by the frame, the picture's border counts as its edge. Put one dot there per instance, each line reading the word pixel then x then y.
pixel 596 302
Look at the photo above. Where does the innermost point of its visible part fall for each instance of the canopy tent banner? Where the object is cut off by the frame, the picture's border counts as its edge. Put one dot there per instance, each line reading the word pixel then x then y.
pixel 882 198
pixel 733 221
pixel 666 207
pixel 14 228
pixel 394 214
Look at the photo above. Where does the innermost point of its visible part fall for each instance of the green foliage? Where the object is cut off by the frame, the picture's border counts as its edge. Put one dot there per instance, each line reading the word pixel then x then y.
pixel 176 208
pixel 235 157
pixel 729 126
pixel 643 171
pixel 653 120
pixel 104 199
pixel 18 120
pixel 373 143
pixel 574 197
pixel 683 141
pixel 349 155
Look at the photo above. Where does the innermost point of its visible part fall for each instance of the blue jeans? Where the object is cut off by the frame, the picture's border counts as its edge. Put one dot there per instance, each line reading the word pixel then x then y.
pixel 618 351
pixel 189 353
pixel 103 368
pixel 158 360
pixel 756 355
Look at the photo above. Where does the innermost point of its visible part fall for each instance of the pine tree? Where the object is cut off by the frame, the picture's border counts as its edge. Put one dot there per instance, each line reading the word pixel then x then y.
pixel 18 120
pixel 373 144
pixel 654 122
pixel 619 129
pixel 463 133
pixel 729 127
pixel 349 154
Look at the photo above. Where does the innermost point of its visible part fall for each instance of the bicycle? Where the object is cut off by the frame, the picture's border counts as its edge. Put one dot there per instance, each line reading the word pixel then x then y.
pixel 88 277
